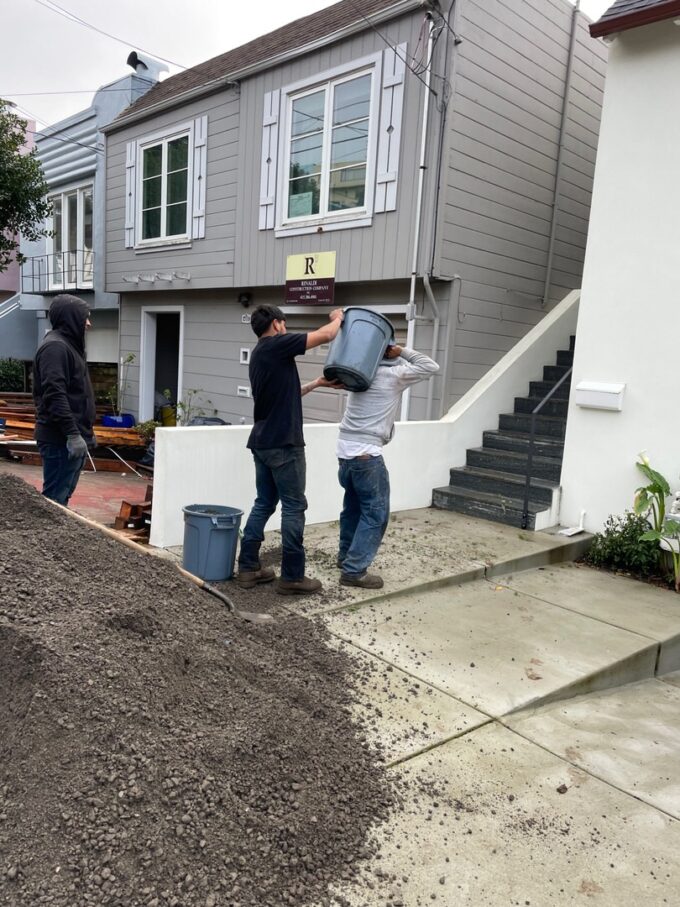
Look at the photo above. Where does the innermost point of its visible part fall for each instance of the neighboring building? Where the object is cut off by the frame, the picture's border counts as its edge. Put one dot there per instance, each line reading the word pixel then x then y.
pixel 628 325
pixel 309 140
pixel 70 260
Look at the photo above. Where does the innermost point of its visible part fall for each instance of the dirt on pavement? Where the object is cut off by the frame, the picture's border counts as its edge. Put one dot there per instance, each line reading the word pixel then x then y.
pixel 156 751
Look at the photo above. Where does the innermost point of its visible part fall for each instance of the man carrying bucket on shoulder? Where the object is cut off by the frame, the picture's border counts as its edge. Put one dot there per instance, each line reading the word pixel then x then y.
pixel 277 445
pixel 368 424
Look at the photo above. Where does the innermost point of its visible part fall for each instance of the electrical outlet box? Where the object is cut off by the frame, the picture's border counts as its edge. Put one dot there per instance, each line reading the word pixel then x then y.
pixel 242 391
pixel 245 318
pixel 244 358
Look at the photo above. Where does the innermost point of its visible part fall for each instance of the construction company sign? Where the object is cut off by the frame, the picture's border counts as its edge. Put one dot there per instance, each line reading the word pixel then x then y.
pixel 310 279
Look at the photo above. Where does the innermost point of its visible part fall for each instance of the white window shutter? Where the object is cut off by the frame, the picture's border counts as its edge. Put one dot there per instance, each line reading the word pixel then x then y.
pixel 130 189
pixel 199 177
pixel 270 142
pixel 389 134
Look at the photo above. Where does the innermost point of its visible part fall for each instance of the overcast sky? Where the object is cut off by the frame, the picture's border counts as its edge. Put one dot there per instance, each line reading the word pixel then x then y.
pixel 50 66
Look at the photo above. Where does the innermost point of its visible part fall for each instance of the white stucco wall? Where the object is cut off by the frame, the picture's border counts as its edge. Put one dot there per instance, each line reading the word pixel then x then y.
pixel 629 318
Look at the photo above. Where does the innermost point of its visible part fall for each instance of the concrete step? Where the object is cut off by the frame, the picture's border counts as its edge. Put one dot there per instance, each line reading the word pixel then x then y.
pixel 541 388
pixel 551 407
pixel 565 357
pixel 544 445
pixel 547 468
pixel 503 484
pixel 554 426
pixel 485 506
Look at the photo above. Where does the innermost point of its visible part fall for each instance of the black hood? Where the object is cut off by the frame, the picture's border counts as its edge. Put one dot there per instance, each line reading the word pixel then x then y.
pixel 68 315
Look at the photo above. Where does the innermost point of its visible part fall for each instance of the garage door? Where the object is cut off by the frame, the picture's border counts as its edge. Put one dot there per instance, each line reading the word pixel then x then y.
pixel 324 404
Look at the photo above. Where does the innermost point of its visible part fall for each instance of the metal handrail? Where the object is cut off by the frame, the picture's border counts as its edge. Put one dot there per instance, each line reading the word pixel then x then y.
pixel 57 272
pixel 530 455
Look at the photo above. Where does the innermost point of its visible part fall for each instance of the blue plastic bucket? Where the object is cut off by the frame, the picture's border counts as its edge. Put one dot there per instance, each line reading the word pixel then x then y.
pixel 355 354
pixel 210 540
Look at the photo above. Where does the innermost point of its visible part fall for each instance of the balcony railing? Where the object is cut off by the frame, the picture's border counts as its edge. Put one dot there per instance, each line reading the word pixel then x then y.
pixel 58 272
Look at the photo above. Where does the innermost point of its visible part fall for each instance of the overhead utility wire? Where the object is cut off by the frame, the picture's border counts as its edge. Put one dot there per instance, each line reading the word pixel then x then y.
pixel 55 8
pixel 56 138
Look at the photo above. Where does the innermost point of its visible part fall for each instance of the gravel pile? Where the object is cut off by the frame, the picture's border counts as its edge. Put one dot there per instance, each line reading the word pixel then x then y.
pixel 154 750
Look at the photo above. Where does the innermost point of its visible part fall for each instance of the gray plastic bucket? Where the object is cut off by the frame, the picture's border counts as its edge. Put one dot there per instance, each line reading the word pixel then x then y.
pixel 355 354
pixel 210 540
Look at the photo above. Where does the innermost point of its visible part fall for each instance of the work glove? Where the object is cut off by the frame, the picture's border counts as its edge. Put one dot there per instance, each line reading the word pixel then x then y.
pixel 76 446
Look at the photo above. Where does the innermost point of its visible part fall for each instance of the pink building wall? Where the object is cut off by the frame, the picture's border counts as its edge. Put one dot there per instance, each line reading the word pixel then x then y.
pixel 9 279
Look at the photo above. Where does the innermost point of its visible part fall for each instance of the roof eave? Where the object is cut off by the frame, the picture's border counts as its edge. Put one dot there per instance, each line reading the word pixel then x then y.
pixel 400 7
pixel 669 10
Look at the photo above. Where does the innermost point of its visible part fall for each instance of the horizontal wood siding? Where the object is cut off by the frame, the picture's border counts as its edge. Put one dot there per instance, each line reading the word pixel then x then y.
pixel 379 252
pixel 500 172
pixel 209 261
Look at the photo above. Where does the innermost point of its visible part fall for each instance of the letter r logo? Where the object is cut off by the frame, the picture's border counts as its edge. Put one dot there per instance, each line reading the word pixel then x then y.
pixel 309 265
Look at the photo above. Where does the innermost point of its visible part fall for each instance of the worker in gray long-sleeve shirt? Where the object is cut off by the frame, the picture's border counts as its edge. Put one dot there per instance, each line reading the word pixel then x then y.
pixel 368 425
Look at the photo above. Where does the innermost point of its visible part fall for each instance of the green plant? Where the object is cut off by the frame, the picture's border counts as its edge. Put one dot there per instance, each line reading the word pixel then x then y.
pixel 669 533
pixel 116 393
pixel 11 375
pixel 650 500
pixel 620 546
pixel 189 406
pixel 147 430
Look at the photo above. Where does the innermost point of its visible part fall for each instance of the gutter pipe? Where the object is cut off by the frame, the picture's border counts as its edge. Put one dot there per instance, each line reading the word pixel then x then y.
pixel 410 309
pixel 435 341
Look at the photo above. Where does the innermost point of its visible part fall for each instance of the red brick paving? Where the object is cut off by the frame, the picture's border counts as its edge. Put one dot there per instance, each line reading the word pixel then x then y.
pixel 97 496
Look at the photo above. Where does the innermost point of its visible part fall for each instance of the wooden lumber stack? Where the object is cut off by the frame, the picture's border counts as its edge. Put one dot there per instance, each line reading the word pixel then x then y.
pixel 134 520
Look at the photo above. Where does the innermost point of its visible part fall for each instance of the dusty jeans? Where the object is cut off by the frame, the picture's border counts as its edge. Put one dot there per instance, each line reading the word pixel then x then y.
pixel 60 473
pixel 365 512
pixel 280 475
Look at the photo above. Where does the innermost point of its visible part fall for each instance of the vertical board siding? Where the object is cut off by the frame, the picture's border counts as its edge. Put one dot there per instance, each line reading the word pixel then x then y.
pixel 503 143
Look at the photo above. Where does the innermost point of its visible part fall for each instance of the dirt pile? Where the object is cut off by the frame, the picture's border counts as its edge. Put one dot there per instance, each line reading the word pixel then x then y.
pixel 155 751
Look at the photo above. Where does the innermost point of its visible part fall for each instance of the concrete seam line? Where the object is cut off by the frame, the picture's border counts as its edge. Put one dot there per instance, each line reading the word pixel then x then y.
pixel 437 743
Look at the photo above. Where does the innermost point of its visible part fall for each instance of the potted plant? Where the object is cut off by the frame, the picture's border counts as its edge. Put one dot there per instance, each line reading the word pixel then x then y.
pixel 116 395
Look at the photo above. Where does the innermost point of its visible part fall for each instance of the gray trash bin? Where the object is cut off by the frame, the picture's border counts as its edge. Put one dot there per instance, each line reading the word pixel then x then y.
pixel 355 354
pixel 210 540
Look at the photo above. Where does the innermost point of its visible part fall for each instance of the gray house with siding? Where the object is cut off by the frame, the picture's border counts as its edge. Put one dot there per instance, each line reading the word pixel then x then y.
pixel 445 155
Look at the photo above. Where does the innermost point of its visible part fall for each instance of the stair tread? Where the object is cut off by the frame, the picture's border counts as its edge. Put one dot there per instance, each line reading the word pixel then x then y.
pixel 511 477
pixel 492 498
pixel 538 416
pixel 520 435
pixel 517 455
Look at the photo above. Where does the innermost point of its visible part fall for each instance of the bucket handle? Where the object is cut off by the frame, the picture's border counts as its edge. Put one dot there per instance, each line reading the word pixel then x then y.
pixel 224 522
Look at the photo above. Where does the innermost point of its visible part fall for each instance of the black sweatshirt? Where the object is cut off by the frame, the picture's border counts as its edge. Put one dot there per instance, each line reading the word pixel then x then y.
pixel 62 389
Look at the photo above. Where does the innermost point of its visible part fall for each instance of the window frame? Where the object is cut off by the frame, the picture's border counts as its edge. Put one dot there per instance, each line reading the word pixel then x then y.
pixel 79 189
pixel 328 220
pixel 163 138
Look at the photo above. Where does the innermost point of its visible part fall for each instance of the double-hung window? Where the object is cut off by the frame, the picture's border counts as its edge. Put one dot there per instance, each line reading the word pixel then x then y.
pixel 71 257
pixel 164 208
pixel 328 148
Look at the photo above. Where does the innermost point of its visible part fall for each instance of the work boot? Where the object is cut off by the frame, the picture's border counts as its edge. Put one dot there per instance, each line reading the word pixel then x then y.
pixel 303 586
pixel 363 580
pixel 339 561
pixel 247 579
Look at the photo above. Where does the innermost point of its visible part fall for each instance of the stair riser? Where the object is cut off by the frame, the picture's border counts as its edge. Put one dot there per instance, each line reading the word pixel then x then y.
pixel 553 373
pixel 485 459
pixel 542 446
pixel 458 478
pixel 541 388
pixel 482 510
pixel 565 357
pixel 550 408
pixel 521 422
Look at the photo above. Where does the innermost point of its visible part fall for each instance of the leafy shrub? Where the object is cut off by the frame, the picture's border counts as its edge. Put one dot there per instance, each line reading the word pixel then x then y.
pixel 11 375
pixel 619 546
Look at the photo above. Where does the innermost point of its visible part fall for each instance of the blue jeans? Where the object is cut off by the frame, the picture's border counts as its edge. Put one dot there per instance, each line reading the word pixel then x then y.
pixel 280 475
pixel 60 475
pixel 365 512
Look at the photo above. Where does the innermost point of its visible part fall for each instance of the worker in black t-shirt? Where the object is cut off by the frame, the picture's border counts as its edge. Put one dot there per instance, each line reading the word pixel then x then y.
pixel 278 447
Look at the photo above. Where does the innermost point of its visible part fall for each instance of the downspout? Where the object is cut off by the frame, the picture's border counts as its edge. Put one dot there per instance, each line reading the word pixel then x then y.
pixel 435 341
pixel 454 294
pixel 560 153
pixel 410 312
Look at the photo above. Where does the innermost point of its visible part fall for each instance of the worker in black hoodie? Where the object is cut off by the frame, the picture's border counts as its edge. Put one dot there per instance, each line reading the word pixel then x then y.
pixel 64 398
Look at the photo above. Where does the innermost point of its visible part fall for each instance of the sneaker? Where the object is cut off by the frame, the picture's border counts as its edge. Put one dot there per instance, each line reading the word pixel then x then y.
pixel 298 586
pixel 247 579
pixel 363 580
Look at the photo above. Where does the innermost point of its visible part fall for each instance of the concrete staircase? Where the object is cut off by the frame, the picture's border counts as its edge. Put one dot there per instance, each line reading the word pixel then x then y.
pixel 491 484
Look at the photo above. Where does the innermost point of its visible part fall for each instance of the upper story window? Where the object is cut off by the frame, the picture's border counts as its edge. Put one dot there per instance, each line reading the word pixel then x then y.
pixel 330 147
pixel 328 150
pixel 165 189
pixel 70 248
pixel 165 186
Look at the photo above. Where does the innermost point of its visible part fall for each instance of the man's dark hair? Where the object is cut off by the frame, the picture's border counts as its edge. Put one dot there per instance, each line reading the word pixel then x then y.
pixel 263 316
